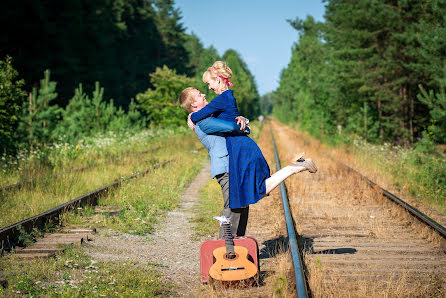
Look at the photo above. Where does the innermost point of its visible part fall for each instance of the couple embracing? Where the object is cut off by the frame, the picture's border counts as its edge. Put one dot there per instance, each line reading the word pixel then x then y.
pixel 236 161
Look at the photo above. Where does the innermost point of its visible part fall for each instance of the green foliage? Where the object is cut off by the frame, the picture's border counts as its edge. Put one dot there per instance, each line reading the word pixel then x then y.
pixel 425 144
pixel 200 59
pixel 172 52
pixel 245 88
pixel 161 103
pixel 39 116
pixel 85 116
pixel 267 103
pixel 436 102
pixel 11 98
pixel 73 273
pixel 303 94
pixel 115 42
pixel 24 238
pixel 360 71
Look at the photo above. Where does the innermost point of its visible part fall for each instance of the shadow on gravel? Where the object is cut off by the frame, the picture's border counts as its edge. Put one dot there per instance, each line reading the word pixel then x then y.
pixel 309 249
pixel 337 251
pixel 274 247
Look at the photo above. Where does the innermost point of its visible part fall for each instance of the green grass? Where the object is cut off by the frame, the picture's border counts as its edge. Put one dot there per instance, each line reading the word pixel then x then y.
pixel 145 200
pixel 210 205
pixel 49 191
pixel 100 149
pixel 420 174
pixel 75 274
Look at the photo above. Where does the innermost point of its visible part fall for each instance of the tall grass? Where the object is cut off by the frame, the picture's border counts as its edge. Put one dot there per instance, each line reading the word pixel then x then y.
pixel 418 171
pixel 74 274
pixel 61 156
pixel 144 201
pixel 210 205
pixel 48 191
pixel 422 175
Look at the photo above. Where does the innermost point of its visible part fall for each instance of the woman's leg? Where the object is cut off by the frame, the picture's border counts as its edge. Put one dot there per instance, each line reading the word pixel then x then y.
pixel 297 167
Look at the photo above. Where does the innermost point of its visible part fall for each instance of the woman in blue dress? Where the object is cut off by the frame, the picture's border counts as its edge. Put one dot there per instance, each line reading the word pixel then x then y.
pixel 249 172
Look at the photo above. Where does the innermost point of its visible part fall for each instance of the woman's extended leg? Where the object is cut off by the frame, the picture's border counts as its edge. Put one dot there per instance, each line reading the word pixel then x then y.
pixel 296 167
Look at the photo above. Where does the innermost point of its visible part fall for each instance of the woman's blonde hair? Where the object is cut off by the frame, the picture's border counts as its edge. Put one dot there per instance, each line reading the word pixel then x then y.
pixel 222 69
pixel 186 98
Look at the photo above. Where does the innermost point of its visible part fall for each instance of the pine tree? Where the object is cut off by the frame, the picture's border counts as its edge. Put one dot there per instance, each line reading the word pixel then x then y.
pixel 11 97
pixel 39 116
pixel 304 91
pixel 171 48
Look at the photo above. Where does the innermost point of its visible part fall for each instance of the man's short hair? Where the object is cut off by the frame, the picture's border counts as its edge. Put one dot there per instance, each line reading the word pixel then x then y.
pixel 187 98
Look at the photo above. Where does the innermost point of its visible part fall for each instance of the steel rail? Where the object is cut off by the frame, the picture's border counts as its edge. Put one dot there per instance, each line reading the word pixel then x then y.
pixel 412 210
pixel 298 268
pixel 9 235
pixel 423 218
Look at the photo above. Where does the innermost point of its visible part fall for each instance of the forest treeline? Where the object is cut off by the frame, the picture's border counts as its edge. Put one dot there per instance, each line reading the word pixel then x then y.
pixel 70 69
pixel 376 69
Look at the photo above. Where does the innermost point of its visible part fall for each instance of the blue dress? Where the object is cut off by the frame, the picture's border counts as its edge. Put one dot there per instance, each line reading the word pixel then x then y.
pixel 248 169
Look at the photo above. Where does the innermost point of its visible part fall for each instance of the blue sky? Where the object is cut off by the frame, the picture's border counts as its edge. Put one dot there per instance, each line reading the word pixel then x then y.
pixel 257 30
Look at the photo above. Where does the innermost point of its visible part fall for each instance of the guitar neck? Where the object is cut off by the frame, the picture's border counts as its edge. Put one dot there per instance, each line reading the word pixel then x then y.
pixel 229 239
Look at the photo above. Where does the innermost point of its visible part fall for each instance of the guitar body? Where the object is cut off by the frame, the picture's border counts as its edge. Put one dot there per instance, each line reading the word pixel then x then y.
pixel 207 258
pixel 238 268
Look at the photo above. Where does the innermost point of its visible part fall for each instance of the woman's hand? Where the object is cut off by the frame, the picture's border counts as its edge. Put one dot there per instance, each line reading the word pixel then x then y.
pixel 242 121
pixel 190 123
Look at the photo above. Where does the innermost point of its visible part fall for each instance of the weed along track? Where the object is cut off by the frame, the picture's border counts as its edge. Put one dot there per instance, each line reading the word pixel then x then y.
pixel 33 194
pixel 354 241
pixel 45 255
pixel 10 236
pixel 339 237
pixel 112 160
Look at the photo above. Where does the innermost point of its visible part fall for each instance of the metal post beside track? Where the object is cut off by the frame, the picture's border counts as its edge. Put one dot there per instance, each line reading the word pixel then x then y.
pixel 299 273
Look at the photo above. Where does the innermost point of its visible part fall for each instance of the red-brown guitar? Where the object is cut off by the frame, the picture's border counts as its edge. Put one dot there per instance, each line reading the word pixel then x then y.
pixel 231 262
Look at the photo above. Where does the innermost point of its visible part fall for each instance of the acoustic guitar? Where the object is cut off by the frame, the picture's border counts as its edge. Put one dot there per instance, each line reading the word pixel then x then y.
pixel 231 262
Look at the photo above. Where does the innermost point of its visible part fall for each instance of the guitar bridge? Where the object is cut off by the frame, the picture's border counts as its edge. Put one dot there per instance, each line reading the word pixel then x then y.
pixel 232 268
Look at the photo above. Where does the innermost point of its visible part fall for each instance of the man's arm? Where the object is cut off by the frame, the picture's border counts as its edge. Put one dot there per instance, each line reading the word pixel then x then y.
pixel 216 105
pixel 216 126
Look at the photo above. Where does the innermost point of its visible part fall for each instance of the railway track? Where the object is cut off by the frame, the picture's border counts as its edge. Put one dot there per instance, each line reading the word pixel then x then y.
pixel 349 240
pixel 10 236
pixel 354 241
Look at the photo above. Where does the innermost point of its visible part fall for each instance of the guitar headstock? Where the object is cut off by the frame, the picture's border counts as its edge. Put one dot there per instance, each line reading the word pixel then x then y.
pixel 222 219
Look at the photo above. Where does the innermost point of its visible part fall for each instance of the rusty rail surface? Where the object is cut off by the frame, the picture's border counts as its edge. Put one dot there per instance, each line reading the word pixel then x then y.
pixel 412 210
pixel 297 261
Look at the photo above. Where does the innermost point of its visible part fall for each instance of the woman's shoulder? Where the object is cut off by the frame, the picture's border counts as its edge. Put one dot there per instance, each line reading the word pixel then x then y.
pixel 223 97
pixel 228 93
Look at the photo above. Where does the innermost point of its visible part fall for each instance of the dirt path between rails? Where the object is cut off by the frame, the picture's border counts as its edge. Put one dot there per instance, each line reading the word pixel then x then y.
pixel 357 243
pixel 267 225
pixel 170 248
pixel 171 251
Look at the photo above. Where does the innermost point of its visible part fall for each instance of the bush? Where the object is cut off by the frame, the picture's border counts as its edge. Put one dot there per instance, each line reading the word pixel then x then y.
pixel 161 103
pixel 11 97
pixel 85 116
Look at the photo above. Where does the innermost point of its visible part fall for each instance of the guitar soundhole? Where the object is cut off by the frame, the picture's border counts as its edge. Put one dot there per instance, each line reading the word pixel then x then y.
pixel 231 256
